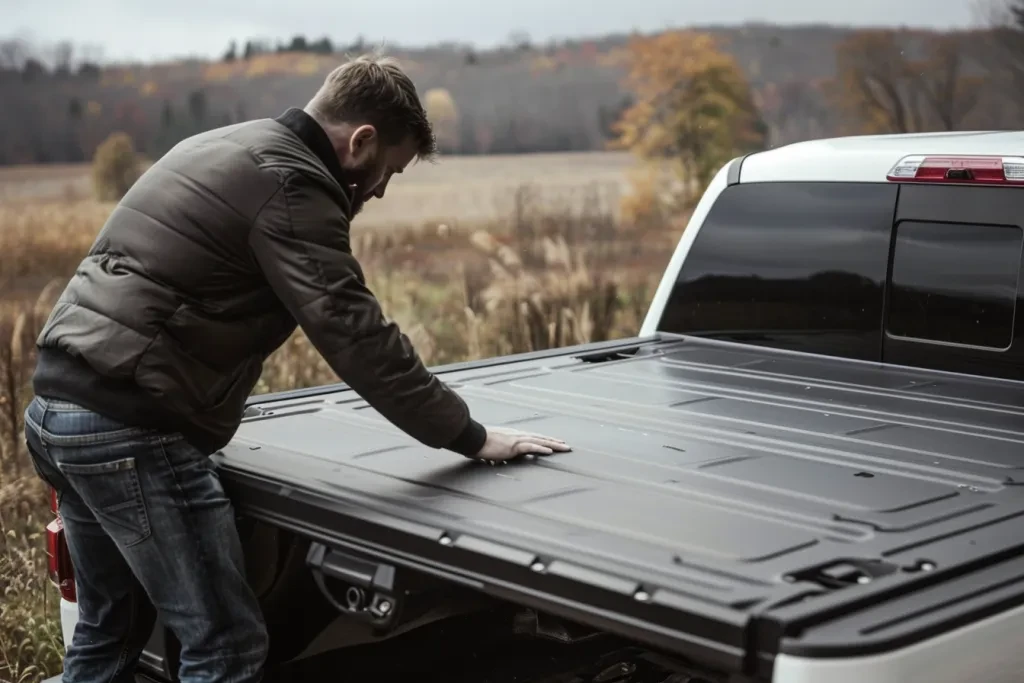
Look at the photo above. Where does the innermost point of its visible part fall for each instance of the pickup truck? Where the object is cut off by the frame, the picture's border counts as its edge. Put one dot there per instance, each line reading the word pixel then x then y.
pixel 808 466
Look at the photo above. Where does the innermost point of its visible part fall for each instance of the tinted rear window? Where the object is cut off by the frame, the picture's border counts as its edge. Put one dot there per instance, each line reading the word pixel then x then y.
pixel 955 283
pixel 790 265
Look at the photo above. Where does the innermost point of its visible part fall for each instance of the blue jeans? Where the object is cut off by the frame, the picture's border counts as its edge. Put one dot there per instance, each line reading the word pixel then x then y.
pixel 150 533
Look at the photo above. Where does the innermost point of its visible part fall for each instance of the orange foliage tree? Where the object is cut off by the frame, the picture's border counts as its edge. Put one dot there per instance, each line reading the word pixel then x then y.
pixel 883 90
pixel 693 107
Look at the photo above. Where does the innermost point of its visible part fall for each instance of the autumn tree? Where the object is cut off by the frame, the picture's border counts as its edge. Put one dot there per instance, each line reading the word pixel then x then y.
pixel 693 107
pixel 444 117
pixel 875 85
pixel 609 115
pixel 115 167
pixel 884 90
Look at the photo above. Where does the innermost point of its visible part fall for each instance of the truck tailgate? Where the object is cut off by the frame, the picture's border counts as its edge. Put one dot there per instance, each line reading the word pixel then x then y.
pixel 723 501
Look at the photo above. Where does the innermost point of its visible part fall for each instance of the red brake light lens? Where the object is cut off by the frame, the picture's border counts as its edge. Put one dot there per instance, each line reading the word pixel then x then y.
pixel 977 170
pixel 61 568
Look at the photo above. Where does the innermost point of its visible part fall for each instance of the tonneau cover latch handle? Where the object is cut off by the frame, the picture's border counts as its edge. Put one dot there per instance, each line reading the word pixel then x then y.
pixel 360 588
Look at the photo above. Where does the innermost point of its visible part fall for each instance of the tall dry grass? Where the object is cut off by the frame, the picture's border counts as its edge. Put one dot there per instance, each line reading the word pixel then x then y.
pixel 543 276
pixel 30 643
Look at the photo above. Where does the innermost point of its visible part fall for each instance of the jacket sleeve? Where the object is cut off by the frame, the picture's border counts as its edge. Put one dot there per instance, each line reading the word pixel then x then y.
pixel 300 241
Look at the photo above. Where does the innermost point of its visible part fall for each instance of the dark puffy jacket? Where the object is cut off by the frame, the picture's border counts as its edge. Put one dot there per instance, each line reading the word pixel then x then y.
pixel 204 269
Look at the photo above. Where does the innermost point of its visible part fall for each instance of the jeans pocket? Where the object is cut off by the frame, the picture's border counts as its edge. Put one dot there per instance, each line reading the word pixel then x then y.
pixel 113 493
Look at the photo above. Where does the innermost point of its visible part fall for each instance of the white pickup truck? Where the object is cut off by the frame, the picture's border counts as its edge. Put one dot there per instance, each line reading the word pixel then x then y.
pixel 808 467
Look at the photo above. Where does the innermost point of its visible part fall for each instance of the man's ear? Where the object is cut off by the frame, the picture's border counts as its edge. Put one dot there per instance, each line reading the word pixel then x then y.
pixel 363 142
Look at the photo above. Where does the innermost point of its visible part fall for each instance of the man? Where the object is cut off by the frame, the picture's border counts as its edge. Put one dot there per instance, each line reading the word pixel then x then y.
pixel 201 271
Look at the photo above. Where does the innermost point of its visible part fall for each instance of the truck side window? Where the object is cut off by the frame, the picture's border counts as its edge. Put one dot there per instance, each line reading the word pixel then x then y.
pixel 798 265
pixel 954 300
pixel 955 283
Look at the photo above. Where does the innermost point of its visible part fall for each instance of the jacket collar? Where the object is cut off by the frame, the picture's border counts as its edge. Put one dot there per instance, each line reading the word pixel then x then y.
pixel 313 135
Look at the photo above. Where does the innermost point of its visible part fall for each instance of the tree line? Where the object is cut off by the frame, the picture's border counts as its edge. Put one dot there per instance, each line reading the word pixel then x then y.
pixel 790 84
pixel 894 82
pixel 21 61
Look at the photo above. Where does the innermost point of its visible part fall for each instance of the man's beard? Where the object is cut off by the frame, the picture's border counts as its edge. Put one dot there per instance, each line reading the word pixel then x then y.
pixel 358 201
pixel 356 181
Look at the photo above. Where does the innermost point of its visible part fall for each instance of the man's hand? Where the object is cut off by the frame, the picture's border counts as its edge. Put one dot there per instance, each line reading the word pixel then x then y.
pixel 505 444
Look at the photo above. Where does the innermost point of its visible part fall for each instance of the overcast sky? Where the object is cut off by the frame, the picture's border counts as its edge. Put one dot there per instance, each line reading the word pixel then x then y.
pixel 155 29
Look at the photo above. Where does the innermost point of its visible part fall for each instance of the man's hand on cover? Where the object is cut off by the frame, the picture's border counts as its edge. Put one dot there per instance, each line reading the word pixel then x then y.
pixel 504 444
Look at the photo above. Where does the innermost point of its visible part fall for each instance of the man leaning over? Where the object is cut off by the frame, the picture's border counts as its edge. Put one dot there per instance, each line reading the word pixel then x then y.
pixel 203 270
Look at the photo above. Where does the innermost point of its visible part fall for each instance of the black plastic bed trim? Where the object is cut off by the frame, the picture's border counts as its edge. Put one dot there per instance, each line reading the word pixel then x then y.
pixel 735 168
pixel 899 622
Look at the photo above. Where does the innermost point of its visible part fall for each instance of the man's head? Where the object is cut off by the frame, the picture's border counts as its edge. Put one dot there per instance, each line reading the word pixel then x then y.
pixel 370 110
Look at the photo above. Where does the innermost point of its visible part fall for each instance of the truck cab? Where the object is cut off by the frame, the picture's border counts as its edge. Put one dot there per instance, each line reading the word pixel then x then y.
pixel 806 465
pixel 901 249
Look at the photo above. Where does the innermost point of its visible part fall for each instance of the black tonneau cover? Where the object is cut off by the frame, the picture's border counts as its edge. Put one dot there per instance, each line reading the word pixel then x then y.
pixel 724 501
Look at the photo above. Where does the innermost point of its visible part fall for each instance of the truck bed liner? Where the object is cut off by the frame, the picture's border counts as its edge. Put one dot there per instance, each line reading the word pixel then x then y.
pixel 721 500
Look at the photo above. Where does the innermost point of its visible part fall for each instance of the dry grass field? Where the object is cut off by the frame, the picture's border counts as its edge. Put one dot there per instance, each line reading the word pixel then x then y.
pixel 475 189
pixel 460 189
pixel 474 257
pixel 44 182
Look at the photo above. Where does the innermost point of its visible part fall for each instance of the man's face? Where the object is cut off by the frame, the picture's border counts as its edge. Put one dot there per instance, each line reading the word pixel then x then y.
pixel 370 165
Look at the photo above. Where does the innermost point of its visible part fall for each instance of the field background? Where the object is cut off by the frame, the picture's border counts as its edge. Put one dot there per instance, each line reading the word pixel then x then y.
pixel 454 189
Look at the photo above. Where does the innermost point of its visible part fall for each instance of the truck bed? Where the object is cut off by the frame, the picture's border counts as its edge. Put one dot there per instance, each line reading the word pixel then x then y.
pixel 724 502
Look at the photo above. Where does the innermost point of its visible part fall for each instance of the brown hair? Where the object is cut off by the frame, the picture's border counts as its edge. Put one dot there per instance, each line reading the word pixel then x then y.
pixel 373 89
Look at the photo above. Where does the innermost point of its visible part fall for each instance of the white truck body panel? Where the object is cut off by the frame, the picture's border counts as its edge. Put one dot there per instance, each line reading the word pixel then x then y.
pixel 668 280
pixel 868 158
pixel 68 619
pixel 987 651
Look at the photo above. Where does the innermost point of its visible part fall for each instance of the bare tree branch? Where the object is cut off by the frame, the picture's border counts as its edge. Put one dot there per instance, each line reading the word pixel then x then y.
pixel 887 91
pixel 1004 53
pixel 950 93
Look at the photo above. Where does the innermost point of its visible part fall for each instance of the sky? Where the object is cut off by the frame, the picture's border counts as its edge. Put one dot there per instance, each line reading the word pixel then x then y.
pixel 146 30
